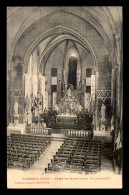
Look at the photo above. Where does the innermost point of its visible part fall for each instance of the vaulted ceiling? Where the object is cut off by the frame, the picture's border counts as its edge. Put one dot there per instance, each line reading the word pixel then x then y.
pixel 93 28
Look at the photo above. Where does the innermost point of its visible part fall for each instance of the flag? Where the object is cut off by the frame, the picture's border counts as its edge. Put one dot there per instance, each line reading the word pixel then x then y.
pixel 112 123
pixel 35 103
pixel 118 142
pixel 29 118
pixel 40 102
pixel 27 103
pixel 32 106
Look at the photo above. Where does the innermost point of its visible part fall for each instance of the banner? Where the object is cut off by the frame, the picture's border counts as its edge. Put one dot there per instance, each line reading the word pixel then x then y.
pixel 40 103
pixel 27 84
pixel 35 85
pixel 88 81
pixel 78 75
pixel 54 99
pixel 49 99
pixel 29 118
pixel 93 87
pixel 54 81
pixel 87 101
pixel 45 102
pixel 42 79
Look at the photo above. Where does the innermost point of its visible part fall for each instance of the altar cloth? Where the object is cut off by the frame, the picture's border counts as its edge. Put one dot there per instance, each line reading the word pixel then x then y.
pixel 69 119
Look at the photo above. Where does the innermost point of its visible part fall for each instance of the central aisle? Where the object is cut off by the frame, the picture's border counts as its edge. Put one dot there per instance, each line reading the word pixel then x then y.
pixel 46 157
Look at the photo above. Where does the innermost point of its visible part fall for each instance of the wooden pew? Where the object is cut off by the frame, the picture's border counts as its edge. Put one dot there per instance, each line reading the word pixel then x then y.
pixel 25 150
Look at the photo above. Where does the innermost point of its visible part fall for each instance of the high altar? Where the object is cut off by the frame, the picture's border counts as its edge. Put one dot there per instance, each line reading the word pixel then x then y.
pixel 68 107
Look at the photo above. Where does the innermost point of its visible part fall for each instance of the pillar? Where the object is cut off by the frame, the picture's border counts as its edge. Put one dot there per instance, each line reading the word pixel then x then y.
pixel 49 99
pixel 34 73
pixel 42 79
pixel 46 100
pixel 16 89
pixel 96 111
pixel 118 91
pixel 112 87
pixel 7 111
pixel 54 99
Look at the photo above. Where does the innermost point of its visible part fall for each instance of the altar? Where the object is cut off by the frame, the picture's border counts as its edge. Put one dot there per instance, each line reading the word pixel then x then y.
pixel 68 107
pixel 66 119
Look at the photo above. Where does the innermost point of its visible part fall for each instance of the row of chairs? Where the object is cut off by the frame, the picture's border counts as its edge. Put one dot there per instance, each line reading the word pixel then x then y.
pixel 23 151
pixel 26 137
pixel 78 156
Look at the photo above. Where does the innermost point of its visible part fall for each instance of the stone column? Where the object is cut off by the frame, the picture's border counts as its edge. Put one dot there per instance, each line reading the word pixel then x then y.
pixel 112 87
pixel 11 95
pixel 49 99
pixel 118 92
pixel 43 89
pixel 16 89
pixel 23 92
pixel 7 111
pixel 59 89
pixel 46 100
pixel 96 112
pixel 79 72
pixel 54 99
pixel 16 114
pixel 78 76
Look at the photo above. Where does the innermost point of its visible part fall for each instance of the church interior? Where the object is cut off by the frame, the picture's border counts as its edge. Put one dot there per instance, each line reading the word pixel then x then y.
pixel 64 89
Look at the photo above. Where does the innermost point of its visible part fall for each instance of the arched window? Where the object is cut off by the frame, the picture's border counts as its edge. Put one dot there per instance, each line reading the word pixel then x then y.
pixel 72 74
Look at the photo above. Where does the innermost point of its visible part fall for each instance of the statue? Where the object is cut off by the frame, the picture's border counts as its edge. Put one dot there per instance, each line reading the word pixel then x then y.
pixel 59 89
pixel 103 108
pixel 57 108
pixel 79 87
pixel 103 125
pixel 69 92
pixel 16 108
pixel 16 115
pixel 79 108
pixel 64 86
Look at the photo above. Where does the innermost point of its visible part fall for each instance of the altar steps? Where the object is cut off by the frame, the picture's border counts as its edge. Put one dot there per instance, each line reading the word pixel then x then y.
pixel 56 131
pixel 63 126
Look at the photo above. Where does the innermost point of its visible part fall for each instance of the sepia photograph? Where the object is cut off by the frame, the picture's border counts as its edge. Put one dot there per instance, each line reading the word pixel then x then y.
pixel 64 97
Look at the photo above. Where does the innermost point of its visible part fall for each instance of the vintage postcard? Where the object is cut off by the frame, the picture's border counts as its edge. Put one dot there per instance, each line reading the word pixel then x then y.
pixel 64 97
